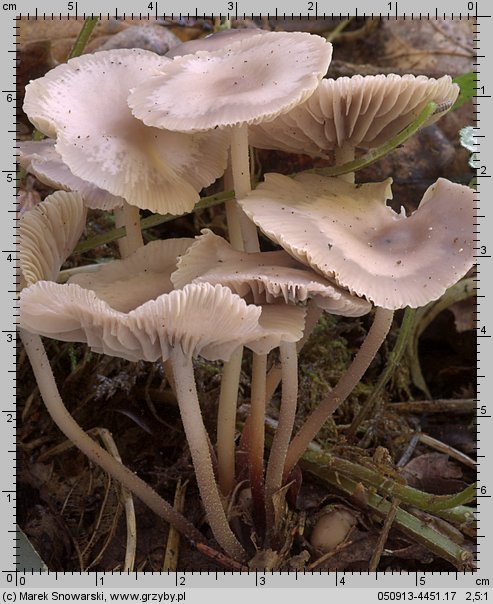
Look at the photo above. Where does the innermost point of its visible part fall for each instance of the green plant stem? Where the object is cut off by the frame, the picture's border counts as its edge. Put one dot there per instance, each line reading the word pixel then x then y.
pixel 462 290
pixel 392 364
pixel 332 35
pixel 148 223
pixel 83 37
pixel 375 154
pixel 414 527
pixel 388 486
pixel 212 200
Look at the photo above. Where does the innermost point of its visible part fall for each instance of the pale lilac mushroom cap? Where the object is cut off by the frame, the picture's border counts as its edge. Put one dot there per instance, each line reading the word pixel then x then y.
pixel 83 105
pixel 348 233
pixel 42 159
pixel 201 319
pixel 48 234
pixel 142 276
pixel 248 81
pixel 361 111
pixel 264 277
pixel 213 41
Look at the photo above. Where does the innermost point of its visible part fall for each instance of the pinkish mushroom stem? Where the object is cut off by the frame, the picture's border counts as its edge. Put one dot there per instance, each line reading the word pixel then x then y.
pixel 374 339
pixel 345 154
pixel 196 434
pixel 232 211
pixel 274 375
pixel 226 422
pixel 257 435
pixel 129 217
pixel 240 165
pixel 62 418
pixel 287 414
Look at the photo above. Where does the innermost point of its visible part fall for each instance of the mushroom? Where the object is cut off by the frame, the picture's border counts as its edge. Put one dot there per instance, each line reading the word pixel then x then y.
pixel 264 277
pixel 246 82
pixel 357 112
pixel 348 234
pixel 42 159
pixel 332 528
pixel 48 233
pixel 216 41
pixel 198 319
pixel 102 143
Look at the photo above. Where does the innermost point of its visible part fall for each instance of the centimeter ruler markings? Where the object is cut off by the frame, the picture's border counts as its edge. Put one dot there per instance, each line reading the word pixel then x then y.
pixel 9 555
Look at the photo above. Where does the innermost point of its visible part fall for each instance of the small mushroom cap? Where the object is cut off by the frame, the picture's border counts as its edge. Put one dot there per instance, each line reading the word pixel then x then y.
pixel 200 319
pixel 348 233
pixel 42 159
pixel 265 277
pixel 48 234
pixel 332 528
pixel 144 275
pixel 248 81
pixel 83 104
pixel 362 111
pixel 215 41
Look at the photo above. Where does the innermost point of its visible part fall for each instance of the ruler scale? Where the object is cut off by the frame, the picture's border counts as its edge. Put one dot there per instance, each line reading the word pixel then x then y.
pixel 477 584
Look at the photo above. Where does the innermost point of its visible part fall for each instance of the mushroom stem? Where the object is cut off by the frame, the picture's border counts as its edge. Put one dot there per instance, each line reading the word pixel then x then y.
pixel 199 448
pixel 228 397
pixel 232 211
pixel 287 414
pixel 374 339
pixel 240 165
pixel 344 155
pixel 47 386
pixel 257 436
pixel 226 421
pixel 313 314
pixel 129 217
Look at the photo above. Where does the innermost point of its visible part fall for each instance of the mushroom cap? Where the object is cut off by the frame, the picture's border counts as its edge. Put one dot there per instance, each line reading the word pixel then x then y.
pixel 48 234
pixel 83 104
pixel 248 81
pixel 266 277
pixel 348 233
pixel 362 111
pixel 200 319
pixel 212 42
pixel 42 159
pixel 142 276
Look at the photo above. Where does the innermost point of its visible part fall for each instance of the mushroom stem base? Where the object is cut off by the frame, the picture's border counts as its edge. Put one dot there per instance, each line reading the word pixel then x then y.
pixel 62 418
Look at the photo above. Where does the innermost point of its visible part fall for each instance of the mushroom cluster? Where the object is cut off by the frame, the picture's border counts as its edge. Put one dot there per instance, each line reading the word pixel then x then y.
pixel 341 248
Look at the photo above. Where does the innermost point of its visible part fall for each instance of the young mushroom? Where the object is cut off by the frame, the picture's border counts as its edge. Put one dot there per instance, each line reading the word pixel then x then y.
pixel 101 142
pixel 348 234
pixel 358 112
